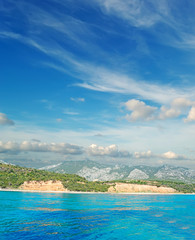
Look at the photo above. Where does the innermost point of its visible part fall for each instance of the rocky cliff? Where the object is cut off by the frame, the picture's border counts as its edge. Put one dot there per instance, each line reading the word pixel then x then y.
pixel 118 188
pixel 134 188
pixel 43 186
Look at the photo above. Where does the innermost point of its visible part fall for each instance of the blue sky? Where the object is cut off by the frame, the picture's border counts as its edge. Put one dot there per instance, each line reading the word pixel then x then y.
pixel 106 80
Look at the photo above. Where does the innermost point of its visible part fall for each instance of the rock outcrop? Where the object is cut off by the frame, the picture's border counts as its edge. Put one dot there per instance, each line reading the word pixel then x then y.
pixel 134 188
pixel 43 186
pixel 137 174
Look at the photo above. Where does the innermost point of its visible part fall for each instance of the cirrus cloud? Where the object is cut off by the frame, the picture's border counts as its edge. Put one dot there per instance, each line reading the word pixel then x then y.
pixel 135 12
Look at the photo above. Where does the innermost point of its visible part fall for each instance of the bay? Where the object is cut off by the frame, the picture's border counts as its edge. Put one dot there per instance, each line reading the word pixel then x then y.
pixel 33 215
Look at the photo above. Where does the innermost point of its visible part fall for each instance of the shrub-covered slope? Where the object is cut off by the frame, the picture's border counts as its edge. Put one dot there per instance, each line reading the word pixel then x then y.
pixel 13 176
pixel 177 185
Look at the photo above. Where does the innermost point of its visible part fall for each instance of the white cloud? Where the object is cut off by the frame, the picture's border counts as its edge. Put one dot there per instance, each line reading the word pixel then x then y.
pixel 168 113
pixel 177 107
pixel 167 155
pixel 25 146
pixel 92 76
pixel 98 78
pixel 147 14
pixel 170 155
pixel 105 80
pixel 181 103
pixel 7 34
pixel 147 154
pixel 9 147
pixel 173 135
pixel 135 12
pixel 4 120
pixel 140 111
pixel 77 99
pixel 111 151
pixel 68 112
pixel 191 115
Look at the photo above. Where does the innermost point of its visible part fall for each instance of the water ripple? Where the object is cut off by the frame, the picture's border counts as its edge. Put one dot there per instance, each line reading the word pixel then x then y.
pixel 98 216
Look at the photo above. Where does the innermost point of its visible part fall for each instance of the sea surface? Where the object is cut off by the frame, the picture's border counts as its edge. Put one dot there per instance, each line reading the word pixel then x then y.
pixel 27 215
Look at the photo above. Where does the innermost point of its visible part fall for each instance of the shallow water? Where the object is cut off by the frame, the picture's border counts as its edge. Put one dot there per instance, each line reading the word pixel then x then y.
pixel 25 215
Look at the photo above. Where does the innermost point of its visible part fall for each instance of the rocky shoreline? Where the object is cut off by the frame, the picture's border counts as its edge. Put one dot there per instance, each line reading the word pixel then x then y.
pixel 73 192
pixel 118 188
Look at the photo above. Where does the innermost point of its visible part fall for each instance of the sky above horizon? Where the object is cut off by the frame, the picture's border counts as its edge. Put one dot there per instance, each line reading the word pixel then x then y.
pixel 107 80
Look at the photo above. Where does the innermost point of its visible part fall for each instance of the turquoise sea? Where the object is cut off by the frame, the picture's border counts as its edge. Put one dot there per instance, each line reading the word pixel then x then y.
pixel 26 215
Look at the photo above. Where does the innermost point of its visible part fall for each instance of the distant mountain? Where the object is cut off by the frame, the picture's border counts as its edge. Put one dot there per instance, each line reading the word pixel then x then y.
pixel 94 171
pixel 170 172
pixel 1 161
pixel 137 174
pixel 73 167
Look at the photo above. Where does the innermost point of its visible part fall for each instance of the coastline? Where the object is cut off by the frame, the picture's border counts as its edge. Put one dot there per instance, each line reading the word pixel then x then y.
pixel 74 192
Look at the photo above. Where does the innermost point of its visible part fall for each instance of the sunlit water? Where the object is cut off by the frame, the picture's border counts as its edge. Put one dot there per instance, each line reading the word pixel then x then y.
pixel 96 216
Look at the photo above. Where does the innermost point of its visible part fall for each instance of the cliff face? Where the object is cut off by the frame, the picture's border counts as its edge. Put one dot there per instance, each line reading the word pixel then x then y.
pixel 118 188
pixel 43 186
pixel 132 188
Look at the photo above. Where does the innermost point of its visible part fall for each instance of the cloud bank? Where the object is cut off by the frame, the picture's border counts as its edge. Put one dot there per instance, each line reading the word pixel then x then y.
pixel 167 155
pixel 62 148
pixel 94 150
pixel 25 146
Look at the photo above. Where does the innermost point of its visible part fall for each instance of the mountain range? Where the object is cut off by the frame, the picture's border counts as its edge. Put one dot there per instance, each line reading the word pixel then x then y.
pixel 94 171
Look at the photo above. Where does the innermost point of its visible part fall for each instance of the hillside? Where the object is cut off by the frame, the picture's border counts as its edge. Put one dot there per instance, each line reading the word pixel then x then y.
pixel 13 177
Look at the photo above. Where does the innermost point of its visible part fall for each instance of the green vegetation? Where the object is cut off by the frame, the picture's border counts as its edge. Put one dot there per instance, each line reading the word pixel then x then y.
pixel 177 185
pixel 13 176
